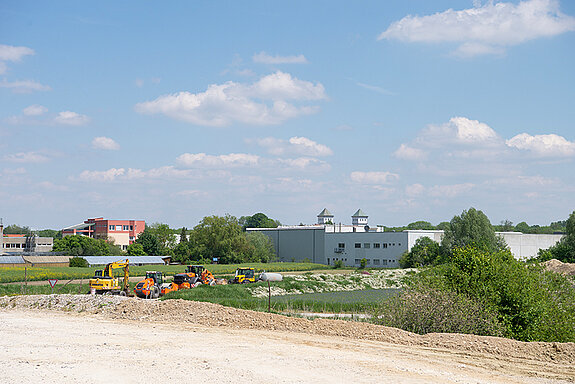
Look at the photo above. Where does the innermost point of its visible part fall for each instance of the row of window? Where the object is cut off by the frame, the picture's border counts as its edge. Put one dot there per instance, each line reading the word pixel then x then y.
pixel 22 245
pixel 375 261
pixel 375 245
pixel 120 227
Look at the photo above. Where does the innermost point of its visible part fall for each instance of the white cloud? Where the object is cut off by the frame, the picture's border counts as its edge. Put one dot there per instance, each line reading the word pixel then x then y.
pixel 105 143
pixel 406 152
pixel 264 58
pixel 373 177
pixel 34 110
pixel 414 190
pixel 484 29
pixel 459 130
pixel 222 161
pixel 24 86
pixel 264 102
pixel 102 176
pixel 448 191
pixel 27 157
pixel 294 146
pixel 71 118
pixel 11 53
pixel 375 88
pixel 543 145
pixel 305 163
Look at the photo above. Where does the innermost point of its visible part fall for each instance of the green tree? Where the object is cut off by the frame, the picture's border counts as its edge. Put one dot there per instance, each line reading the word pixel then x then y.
pixel 425 225
pixel 165 236
pixel 471 228
pixel 183 235
pixel 78 262
pixel 258 220
pixel 424 253
pixel 50 233
pixel 136 249
pixel 150 243
pixel 182 253
pixel 523 227
pixel 564 250
pixel 263 248
pixel 16 230
pixel 79 245
pixel 219 237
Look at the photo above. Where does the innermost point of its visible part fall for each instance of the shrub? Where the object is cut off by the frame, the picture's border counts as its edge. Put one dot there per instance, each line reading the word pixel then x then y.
pixel 362 263
pixel 423 310
pixel 532 304
pixel 338 264
pixel 78 262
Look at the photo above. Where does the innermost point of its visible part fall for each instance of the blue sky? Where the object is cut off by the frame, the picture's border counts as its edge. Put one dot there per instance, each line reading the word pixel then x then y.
pixel 410 110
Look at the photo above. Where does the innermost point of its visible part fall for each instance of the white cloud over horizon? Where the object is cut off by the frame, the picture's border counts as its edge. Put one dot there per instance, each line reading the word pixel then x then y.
pixel 268 101
pixel 71 118
pixel 202 160
pixel 373 177
pixel 105 143
pixel 487 29
pixel 294 146
pixel 543 145
pixel 265 58
pixel 24 86
pixel 26 157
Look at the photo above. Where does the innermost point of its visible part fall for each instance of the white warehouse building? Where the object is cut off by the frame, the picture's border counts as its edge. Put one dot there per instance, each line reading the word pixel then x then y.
pixel 326 242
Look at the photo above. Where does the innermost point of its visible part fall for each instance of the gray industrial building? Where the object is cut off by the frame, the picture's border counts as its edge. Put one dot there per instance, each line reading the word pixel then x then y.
pixel 326 242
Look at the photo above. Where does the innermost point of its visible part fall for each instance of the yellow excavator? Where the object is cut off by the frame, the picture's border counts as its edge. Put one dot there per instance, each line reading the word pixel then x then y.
pixel 105 283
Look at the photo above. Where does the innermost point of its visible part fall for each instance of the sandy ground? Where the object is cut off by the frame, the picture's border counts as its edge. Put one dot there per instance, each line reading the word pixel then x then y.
pixel 68 347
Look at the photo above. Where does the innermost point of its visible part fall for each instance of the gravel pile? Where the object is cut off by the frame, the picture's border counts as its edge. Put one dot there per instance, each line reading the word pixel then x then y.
pixel 555 265
pixel 214 315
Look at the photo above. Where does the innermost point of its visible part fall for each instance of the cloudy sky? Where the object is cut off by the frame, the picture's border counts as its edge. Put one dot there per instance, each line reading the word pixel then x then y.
pixel 172 111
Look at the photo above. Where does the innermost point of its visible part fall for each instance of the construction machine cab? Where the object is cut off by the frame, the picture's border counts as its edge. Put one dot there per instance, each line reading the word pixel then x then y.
pixel 156 276
pixel 195 269
pixel 244 275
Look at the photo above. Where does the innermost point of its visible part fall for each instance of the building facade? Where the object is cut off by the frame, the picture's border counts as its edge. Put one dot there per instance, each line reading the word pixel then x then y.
pixel 121 232
pixel 24 243
pixel 326 243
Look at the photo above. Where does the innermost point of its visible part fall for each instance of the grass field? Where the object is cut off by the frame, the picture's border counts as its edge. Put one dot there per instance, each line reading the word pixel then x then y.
pixel 240 296
pixel 8 275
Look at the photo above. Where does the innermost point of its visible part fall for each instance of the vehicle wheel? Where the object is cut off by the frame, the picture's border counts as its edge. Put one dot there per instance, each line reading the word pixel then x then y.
pixel 156 293
pixel 122 293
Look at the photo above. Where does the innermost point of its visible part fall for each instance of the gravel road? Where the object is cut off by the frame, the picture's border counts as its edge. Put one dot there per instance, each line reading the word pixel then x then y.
pixel 73 338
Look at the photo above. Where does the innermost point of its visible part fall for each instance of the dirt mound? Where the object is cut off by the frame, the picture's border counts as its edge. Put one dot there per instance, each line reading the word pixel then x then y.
pixel 555 265
pixel 214 315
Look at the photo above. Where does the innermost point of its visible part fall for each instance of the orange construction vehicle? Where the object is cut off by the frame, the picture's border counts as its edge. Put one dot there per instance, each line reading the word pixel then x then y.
pixel 151 286
pixel 204 276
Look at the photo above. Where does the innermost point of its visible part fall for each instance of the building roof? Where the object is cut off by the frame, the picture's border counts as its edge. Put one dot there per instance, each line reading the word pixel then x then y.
pixel 10 259
pixel 359 213
pixel 79 226
pixel 46 259
pixel 325 213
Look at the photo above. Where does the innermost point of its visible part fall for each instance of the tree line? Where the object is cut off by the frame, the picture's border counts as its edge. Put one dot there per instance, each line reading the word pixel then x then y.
pixel 221 239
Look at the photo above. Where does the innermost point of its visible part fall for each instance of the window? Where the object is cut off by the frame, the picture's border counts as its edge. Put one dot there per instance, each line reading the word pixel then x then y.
pixel 399 244
pixel 376 245
pixel 341 245
pixel 357 261
pixel 366 261
pixel 118 227
pixel 125 227
pixel 384 262
pixel 375 261
pixel 394 244
pixel 366 245
pixel 358 245
pixel 131 227
pixel 111 227
pixel 384 245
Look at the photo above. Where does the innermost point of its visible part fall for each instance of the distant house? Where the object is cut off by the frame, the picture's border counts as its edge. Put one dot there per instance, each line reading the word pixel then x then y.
pixel 121 232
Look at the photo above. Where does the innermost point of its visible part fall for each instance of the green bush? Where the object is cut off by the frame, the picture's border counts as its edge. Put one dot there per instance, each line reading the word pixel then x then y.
pixel 338 264
pixel 78 262
pixel 530 303
pixel 423 310
pixel 362 263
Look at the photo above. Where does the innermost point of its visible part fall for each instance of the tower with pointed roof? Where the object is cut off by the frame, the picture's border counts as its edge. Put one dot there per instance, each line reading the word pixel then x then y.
pixel 359 218
pixel 325 217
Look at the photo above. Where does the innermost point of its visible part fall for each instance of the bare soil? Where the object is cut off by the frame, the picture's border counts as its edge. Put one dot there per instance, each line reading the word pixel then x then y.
pixel 560 267
pixel 73 338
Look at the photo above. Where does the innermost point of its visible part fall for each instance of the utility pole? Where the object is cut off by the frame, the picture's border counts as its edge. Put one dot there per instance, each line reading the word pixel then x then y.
pixel 1 237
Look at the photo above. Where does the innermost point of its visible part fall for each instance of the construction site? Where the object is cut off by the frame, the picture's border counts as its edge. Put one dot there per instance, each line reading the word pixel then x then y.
pixel 54 339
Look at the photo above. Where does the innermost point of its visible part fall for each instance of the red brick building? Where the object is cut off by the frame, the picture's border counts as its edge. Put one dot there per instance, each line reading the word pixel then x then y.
pixel 122 232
